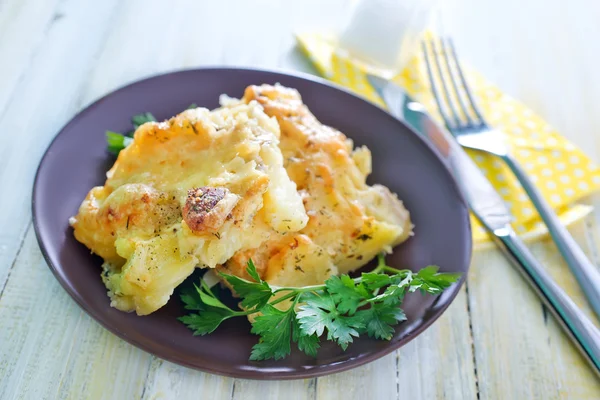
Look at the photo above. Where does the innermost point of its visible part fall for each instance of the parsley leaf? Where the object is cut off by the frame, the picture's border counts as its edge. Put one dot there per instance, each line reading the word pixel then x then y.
pixel 141 119
pixel 319 312
pixel 309 344
pixel 211 311
pixel 372 280
pixel 251 270
pixel 429 280
pixel 207 321
pixel 394 293
pixel 315 314
pixel 345 293
pixel 380 319
pixel 253 294
pixel 190 301
pixel 275 329
pixel 209 298
pixel 117 142
pixel 343 330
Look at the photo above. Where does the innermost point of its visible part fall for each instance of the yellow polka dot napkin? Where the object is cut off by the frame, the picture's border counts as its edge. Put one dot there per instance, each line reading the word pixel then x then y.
pixel 562 172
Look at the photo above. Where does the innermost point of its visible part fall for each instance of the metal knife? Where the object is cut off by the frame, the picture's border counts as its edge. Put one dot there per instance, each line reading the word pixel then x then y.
pixel 489 208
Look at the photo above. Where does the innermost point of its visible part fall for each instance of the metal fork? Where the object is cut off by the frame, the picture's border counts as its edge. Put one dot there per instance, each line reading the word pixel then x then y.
pixel 465 121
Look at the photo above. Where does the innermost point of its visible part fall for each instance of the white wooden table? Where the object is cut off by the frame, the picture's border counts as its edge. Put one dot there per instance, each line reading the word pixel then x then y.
pixel 56 56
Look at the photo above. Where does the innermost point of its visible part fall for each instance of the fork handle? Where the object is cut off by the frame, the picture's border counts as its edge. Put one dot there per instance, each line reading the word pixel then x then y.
pixel 575 323
pixel 586 273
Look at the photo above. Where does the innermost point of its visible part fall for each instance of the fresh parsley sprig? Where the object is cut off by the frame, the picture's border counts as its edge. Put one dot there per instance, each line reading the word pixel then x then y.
pixel 141 119
pixel 342 308
pixel 116 141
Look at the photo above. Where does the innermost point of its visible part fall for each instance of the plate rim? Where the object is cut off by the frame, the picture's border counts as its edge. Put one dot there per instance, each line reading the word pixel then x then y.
pixel 322 370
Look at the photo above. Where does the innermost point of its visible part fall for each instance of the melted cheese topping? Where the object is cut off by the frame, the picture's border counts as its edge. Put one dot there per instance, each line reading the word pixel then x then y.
pixel 349 221
pixel 258 178
pixel 135 220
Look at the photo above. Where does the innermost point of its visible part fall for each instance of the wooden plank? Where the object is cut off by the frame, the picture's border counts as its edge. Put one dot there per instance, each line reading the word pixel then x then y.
pixel 100 365
pixel 575 378
pixel 23 24
pixel 376 380
pixel 520 350
pixel 49 347
pixel 26 20
pixel 41 105
pixel 303 389
pixel 510 338
pixel 179 44
pixel 166 380
pixel 438 364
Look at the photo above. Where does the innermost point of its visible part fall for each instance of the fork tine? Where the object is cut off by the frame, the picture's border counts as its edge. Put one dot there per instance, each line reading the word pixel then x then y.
pixel 464 84
pixel 434 88
pixel 444 81
pixel 454 82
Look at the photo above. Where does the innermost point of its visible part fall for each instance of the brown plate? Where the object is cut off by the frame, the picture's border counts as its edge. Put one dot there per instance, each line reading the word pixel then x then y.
pixel 77 160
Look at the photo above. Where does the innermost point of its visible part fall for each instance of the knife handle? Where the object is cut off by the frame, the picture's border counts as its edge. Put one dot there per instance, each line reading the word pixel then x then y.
pixel 586 273
pixel 577 325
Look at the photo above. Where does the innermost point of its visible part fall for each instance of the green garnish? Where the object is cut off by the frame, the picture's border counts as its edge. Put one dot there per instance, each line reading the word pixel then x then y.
pixel 116 141
pixel 141 119
pixel 342 307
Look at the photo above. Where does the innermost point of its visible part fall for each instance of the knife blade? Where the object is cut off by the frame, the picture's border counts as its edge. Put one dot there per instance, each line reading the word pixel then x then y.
pixel 483 199
pixel 489 208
